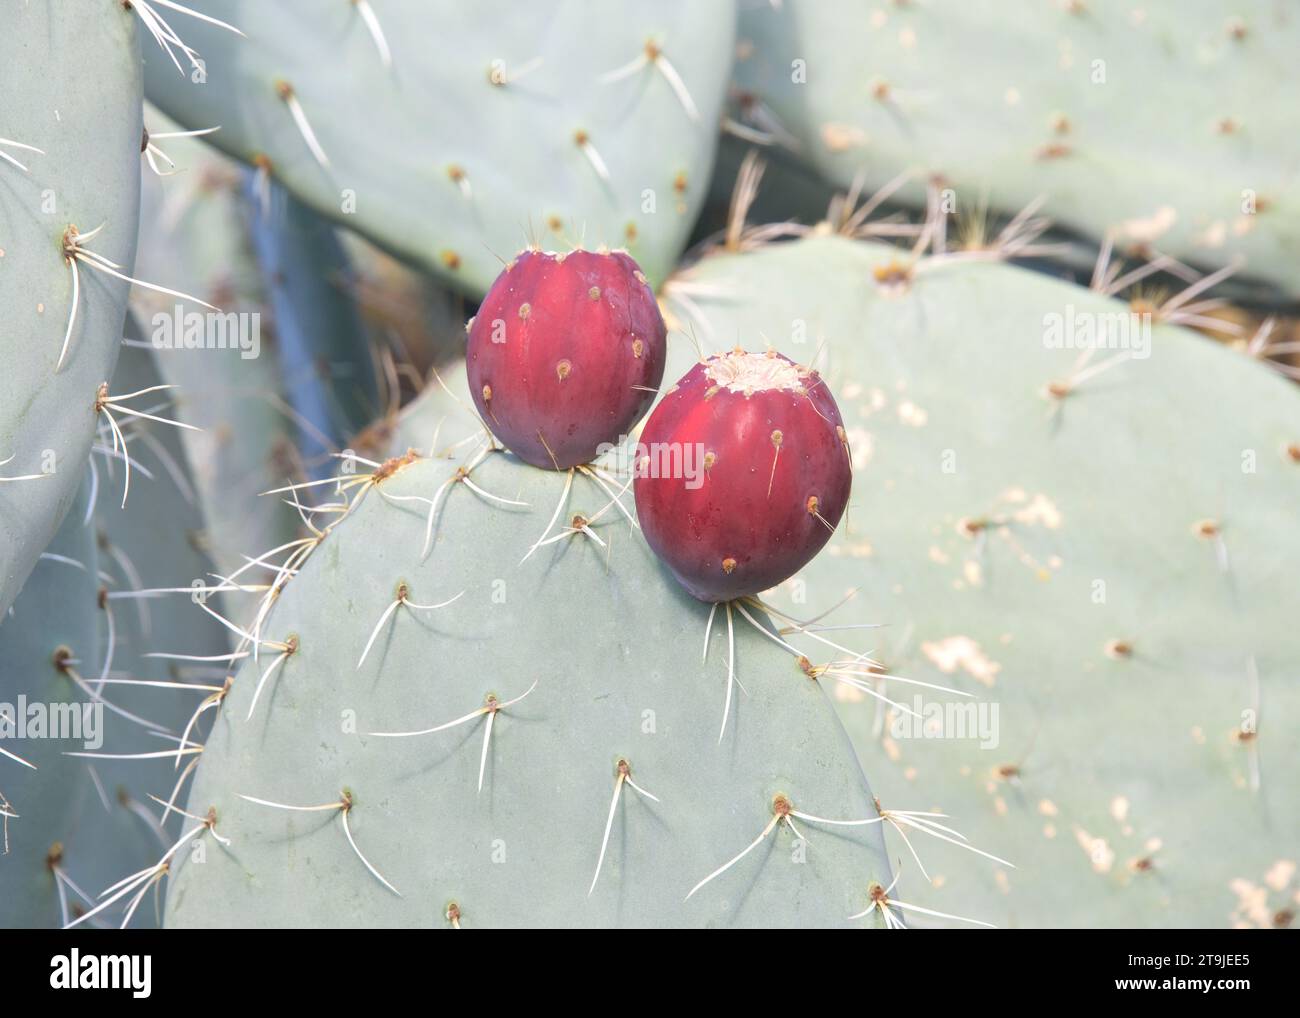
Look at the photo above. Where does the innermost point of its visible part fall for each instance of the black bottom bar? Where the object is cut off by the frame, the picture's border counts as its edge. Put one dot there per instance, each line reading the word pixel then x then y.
pixel 184 969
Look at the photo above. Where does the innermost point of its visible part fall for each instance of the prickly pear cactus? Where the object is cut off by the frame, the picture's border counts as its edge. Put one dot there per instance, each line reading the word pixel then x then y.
pixel 363 666
pixel 1050 100
pixel 69 201
pixel 1080 544
pixel 407 122
pixel 572 742
pixel 81 638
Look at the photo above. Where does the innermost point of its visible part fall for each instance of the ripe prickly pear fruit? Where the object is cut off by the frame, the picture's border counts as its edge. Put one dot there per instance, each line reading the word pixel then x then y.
pixel 566 354
pixel 742 473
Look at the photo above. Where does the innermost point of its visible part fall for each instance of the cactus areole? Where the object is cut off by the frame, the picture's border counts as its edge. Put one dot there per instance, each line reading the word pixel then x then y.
pixel 742 474
pixel 566 354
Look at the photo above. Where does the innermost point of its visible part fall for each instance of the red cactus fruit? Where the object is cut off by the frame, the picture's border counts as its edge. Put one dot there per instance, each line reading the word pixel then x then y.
pixel 566 354
pixel 742 473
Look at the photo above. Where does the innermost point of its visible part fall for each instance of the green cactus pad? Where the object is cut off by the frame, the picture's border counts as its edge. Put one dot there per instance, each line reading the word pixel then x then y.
pixel 1053 100
pixel 81 597
pixel 610 648
pixel 72 88
pixel 1106 568
pixel 465 142
pixel 58 609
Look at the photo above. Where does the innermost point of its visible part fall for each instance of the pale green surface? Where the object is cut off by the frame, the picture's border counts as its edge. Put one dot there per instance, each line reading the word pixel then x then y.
pixel 442 420
pixel 614 646
pixel 88 124
pixel 391 134
pixel 147 545
pixel 975 87
pixel 57 608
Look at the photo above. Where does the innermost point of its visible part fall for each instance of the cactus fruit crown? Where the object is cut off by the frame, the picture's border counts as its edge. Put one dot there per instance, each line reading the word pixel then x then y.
pixel 742 371
pixel 771 478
